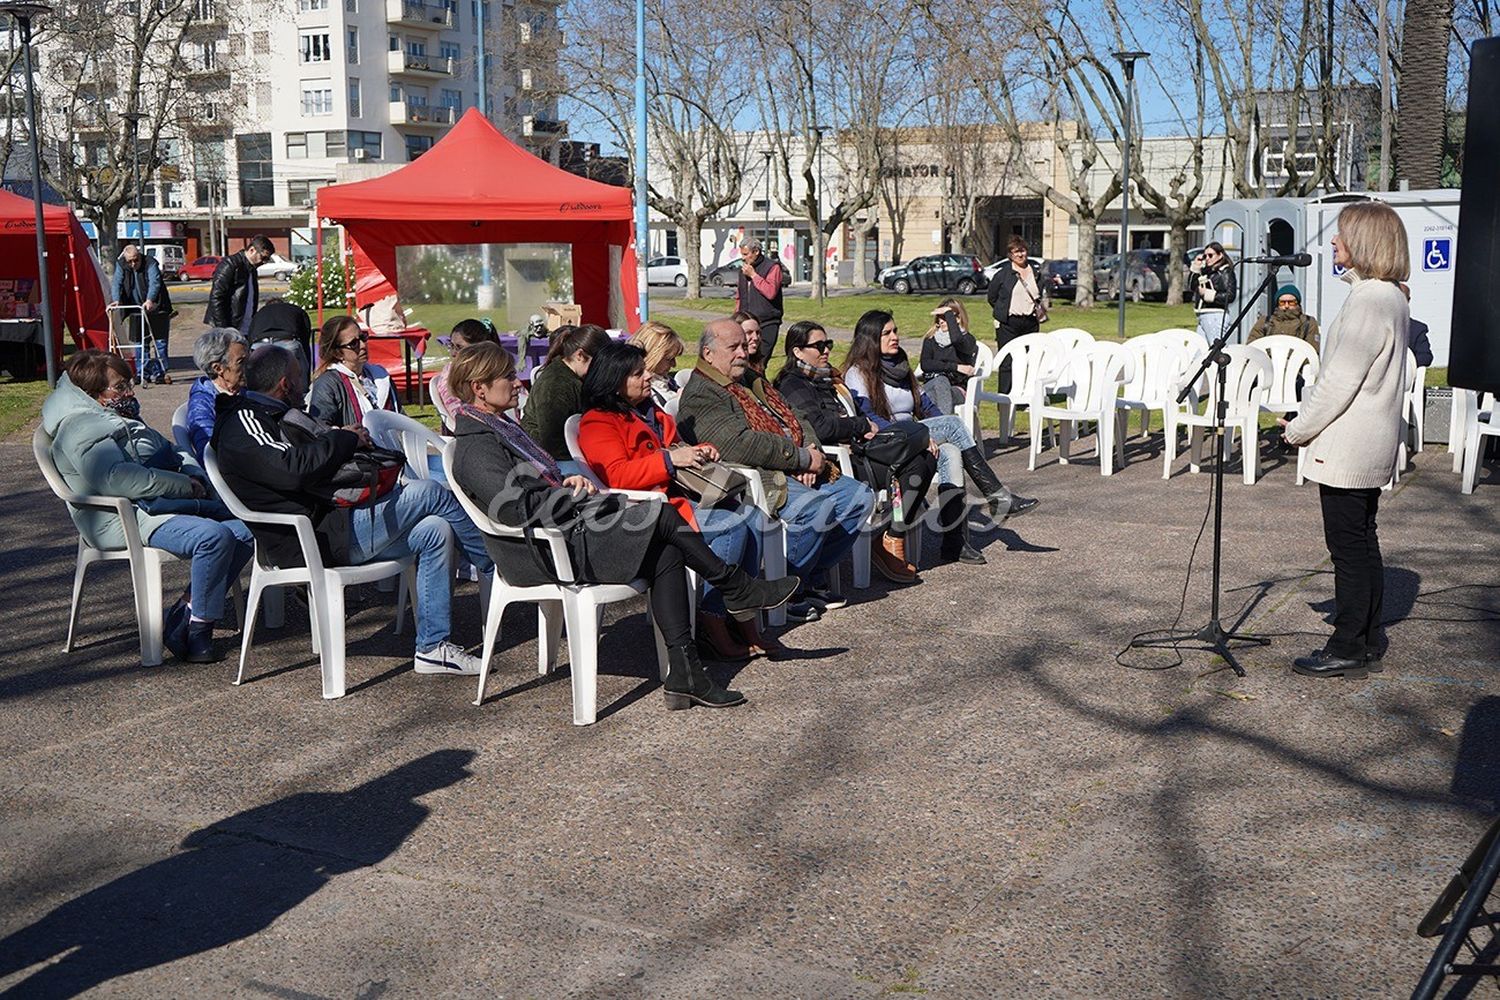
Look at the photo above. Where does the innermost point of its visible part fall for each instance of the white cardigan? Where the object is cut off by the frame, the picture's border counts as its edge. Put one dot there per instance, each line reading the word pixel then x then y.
pixel 1351 417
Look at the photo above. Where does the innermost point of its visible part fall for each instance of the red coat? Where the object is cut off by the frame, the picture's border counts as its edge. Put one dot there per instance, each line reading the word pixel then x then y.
pixel 626 454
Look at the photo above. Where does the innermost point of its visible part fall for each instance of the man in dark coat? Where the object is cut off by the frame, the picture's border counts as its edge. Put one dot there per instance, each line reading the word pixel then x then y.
pixel 284 324
pixel 234 294
pixel 759 294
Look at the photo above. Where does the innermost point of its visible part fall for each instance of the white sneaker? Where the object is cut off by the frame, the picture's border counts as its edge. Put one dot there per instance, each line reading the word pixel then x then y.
pixel 447 658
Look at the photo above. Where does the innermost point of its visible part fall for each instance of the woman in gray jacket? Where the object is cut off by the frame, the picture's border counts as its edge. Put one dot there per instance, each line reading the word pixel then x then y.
pixel 102 448
pixel 1350 423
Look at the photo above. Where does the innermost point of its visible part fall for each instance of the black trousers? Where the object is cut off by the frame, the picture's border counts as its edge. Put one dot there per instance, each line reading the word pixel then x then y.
pixel 770 331
pixel 675 545
pixel 1358 572
pixel 1009 329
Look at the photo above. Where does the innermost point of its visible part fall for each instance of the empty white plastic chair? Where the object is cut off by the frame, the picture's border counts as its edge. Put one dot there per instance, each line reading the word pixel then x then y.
pixel 1482 421
pixel 325 583
pixel 580 605
pixel 1248 370
pixel 1416 402
pixel 441 407
pixel 1458 430
pixel 1036 360
pixel 1149 377
pixel 1071 338
pixel 1097 372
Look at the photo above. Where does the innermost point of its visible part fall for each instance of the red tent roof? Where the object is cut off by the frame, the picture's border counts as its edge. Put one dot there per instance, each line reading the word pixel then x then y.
pixel 18 214
pixel 475 173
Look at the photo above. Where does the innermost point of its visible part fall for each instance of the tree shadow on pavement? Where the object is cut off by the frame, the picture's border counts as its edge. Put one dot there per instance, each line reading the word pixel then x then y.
pixel 231 880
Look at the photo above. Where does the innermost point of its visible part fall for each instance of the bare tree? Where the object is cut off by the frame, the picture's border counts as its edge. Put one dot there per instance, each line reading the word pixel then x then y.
pixel 697 159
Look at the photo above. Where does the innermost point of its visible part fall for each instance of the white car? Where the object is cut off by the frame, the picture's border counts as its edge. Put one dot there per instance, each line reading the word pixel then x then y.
pixel 666 271
pixel 278 267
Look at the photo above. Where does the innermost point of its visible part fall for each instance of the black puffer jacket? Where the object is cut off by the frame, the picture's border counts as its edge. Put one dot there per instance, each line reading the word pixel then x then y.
pixel 962 349
pixel 819 406
pixel 1221 281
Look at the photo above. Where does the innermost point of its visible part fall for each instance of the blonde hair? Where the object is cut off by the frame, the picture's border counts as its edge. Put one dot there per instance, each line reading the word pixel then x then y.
pixel 1375 239
pixel 659 341
pixel 482 363
pixel 958 310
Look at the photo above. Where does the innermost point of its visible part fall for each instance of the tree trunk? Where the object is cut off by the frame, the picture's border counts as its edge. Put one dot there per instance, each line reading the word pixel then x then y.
pixel 1422 94
pixel 1088 229
pixel 690 247
pixel 107 220
pixel 861 237
pixel 1177 252
pixel 819 274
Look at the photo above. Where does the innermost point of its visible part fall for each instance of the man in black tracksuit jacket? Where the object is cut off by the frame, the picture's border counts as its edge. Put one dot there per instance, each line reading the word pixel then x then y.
pixel 268 472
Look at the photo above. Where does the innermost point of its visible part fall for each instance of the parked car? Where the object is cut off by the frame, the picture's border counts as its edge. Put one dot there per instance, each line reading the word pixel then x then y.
pixel 1146 278
pixel 726 275
pixel 201 269
pixel 939 272
pixel 994 265
pixel 278 268
pixel 1060 278
pixel 169 257
pixel 666 271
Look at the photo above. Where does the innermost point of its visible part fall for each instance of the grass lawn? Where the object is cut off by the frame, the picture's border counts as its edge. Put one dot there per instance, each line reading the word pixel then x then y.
pixel 20 402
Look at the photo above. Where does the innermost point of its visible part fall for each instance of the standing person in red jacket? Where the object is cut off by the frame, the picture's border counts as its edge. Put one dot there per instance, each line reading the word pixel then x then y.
pixel 631 443
pixel 759 295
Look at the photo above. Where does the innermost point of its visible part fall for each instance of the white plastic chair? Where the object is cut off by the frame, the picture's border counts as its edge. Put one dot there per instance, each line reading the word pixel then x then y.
pixel 1482 420
pixel 181 436
pixel 442 409
pixel 1072 338
pixel 398 432
pixel 325 584
pixel 1097 372
pixel 1189 340
pixel 1149 376
pixel 1248 371
pixel 1291 358
pixel 145 562
pixel 1414 376
pixel 1416 402
pixel 1036 361
pixel 580 605
pixel 1458 431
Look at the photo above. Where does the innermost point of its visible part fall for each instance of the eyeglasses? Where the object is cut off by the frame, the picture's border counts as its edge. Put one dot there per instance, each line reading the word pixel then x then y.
pixel 353 345
pixel 821 346
pixel 122 388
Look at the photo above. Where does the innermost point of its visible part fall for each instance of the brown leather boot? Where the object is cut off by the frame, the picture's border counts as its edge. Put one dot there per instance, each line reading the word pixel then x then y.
pixel 759 643
pixel 716 642
pixel 889 560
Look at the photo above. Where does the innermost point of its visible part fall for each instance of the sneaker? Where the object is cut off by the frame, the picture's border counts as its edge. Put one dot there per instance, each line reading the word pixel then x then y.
pixel 802 612
pixel 447 658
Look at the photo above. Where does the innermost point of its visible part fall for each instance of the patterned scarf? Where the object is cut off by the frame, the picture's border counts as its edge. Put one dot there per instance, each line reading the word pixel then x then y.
pixel 895 370
pixel 773 416
pixel 817 374
pixel 517 441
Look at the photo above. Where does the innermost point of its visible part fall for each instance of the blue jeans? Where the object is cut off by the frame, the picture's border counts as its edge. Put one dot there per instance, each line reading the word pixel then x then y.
pixel 728 533
pixel 218 550
pixel 949 430
pixel 823 524
pixel 419 519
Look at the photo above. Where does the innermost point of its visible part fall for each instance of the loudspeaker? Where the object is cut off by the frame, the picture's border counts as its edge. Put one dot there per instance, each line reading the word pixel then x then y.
pixel 1474 351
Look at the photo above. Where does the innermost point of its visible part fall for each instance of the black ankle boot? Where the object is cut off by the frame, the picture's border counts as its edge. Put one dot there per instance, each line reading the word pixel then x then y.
pixel 1002 502
pixel 688 684
pixel 953 519
pixel 200 644
pixel 744 594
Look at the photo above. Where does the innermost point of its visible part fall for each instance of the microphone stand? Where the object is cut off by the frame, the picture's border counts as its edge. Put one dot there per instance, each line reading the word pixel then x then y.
pixel 1213 637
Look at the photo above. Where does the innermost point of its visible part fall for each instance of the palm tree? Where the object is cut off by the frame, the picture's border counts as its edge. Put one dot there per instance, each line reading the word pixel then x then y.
pixel 1422 92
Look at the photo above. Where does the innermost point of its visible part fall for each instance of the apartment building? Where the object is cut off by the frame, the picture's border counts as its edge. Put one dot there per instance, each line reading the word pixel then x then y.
pixel 282 98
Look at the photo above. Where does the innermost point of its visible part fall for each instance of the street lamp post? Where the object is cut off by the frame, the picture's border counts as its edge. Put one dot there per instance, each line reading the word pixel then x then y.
pixel 642 221
pixel 133 119
pixel 822 262
pixel 23 12
pixel 1128 61
pixel 767 224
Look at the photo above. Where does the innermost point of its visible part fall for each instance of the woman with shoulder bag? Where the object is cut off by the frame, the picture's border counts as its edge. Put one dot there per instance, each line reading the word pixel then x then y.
pixel 815 388
pixel 512 477
pixel 345 385
pixel 1351 424
pixel 949 351
pixel 1015 298
pixel 631 443
pixel 881 378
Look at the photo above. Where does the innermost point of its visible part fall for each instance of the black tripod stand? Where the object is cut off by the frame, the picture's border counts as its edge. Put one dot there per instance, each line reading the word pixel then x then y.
pixel 1468 891
pixel 1213 637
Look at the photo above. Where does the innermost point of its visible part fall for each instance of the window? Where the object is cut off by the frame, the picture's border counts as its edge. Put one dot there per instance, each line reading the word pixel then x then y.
pixel 261 42
pixel 172 195
pixel 351 6
pixel 396 97
pixel 315 48
pixel 351 46
pixel 526 79
pixel 296 145
pixel 354 111
pixel 453 99
pixel 317 98
pixel 307 6
pixel 450 50
pixel 759 205
pixel 148 196
pixel 299 193
pixel 253 152
pixel 416 47
pixel 208 169
pixel 333 145
pixel 203 10
pixel 416 145
pixel 416 97
pixel 369 142
pixel 525 32
pixel 395 45
pixel 263 97
pixel 206 57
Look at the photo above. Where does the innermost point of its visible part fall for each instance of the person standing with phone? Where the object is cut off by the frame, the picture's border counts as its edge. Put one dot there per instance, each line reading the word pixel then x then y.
pixel 759 295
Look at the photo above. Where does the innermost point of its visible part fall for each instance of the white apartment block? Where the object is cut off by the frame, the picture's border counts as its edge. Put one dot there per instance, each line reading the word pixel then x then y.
pixel 289 95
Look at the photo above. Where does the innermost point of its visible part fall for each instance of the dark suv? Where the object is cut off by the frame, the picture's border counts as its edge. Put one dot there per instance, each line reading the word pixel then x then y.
pixel 1147 275
pixel 939 272
pixel 1060 278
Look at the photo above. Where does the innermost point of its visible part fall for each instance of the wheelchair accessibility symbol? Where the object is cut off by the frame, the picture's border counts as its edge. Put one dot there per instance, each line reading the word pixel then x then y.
pixel 1437 254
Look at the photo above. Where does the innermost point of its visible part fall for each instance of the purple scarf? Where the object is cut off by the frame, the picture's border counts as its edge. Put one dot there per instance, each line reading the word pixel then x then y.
pixel 517 441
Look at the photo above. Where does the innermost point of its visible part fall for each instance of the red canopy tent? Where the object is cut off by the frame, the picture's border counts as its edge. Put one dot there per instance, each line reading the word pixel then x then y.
pixel 476 186
pixel 75 281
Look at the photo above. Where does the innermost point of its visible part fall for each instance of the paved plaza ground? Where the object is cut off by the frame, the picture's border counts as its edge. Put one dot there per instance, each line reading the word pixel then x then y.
pixel 958 792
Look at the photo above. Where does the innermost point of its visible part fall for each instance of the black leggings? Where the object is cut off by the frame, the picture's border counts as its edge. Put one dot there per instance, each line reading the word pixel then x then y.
pixel 1009 329
pixel 676 545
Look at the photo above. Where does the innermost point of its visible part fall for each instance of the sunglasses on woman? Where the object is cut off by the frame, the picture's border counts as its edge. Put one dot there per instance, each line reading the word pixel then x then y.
pixel 353 345
pixel 821 346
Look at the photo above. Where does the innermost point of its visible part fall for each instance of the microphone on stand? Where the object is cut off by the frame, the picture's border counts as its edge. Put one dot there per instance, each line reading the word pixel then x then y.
pixel 1285 260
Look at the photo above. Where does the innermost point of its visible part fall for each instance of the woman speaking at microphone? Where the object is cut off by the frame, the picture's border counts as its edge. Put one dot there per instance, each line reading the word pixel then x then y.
pixel 1351 424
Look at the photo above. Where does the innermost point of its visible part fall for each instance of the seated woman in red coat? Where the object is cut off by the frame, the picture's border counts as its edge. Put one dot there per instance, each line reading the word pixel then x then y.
pixel 632 444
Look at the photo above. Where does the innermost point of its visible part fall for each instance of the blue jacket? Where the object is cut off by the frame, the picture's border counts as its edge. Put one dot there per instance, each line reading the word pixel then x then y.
pixel 133 288
pixel 202 398
pixel 1416 339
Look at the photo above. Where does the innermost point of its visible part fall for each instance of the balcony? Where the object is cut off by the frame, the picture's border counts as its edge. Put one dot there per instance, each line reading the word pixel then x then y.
pixel 422 115
pixel 415 14
pixel 405 64
pixel 199 70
